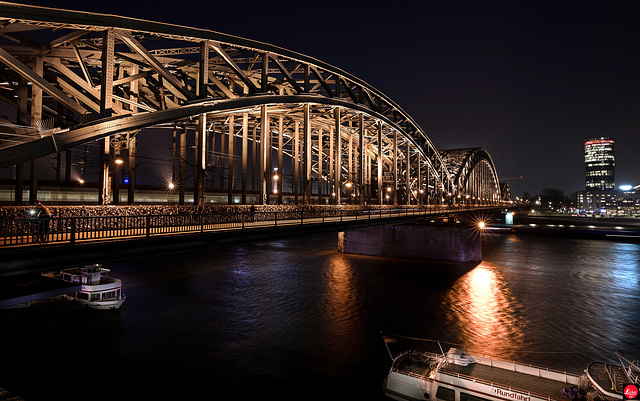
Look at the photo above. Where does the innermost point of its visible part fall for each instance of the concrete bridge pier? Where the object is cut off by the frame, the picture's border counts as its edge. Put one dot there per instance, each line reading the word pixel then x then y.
pixel 449 243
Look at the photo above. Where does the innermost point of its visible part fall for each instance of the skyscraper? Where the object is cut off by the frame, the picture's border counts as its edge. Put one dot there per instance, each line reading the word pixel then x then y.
pixel 599 164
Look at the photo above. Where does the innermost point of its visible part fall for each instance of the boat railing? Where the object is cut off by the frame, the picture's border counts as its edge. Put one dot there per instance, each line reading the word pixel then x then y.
pixel 632 370
pixel 528 368
pixel 410 354
pixel 493 385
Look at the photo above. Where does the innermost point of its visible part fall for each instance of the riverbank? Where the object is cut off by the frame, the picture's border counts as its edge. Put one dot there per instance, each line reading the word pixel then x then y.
pixel 625 229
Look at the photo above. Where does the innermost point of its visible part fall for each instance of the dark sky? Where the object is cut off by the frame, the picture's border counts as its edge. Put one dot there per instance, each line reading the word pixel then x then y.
pixel 528 81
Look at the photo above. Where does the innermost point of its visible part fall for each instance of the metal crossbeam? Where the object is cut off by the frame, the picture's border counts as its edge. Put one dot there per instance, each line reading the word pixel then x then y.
pixel 101 76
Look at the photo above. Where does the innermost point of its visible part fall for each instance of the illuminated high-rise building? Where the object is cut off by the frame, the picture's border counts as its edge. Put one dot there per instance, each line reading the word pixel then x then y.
pixel 599 164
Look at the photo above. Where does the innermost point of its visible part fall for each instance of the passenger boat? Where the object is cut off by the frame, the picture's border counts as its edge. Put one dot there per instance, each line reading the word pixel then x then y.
pixel 459 376
pixel 99 290
pixel 611 380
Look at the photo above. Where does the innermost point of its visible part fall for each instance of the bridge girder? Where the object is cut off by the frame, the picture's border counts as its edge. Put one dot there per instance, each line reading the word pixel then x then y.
pixel 103 75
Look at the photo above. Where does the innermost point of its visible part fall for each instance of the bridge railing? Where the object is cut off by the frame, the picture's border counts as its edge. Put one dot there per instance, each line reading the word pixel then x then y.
pixel 91 228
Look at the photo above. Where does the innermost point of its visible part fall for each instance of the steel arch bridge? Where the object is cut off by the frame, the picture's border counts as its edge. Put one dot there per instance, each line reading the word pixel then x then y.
pixel 75 78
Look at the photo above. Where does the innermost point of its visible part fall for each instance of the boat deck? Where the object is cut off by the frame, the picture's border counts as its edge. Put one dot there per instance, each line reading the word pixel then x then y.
pixel 415 365
pixel 508 378
pixel 609 377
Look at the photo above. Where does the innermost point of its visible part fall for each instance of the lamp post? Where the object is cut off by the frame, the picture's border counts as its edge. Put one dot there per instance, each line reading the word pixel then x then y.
pixel 276 187
pixel 115 180
pixel 349 187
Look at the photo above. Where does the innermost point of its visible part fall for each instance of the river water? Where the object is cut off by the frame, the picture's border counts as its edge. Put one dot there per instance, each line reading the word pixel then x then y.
pixel 296 319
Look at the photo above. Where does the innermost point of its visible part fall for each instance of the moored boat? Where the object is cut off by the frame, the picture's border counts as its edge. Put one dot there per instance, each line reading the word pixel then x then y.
pixel 609 379
pixel 99 289
pixel 459 376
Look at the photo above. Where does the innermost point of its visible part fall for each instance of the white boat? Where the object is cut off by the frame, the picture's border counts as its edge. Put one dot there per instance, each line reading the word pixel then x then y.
pixel 99 290
pixel 610 380
pixel 459 376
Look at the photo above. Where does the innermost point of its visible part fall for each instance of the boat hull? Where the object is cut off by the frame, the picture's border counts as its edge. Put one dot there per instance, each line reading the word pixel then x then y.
pixel 107 305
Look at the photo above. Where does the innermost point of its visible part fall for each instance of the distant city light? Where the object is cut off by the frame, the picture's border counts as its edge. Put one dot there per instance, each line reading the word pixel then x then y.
pixel 625 187
pixel 172 185
pixel 81 181
pixel 119 161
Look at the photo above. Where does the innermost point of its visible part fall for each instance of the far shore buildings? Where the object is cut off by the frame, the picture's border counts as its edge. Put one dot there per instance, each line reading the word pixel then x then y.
pixel 601 197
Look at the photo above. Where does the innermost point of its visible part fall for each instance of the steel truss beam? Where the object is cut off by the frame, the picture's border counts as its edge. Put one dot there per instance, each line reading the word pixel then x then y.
pixel 105 75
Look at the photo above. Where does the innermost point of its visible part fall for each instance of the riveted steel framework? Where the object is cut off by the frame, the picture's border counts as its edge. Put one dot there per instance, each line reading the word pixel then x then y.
pixel 474 175
pixel 77 77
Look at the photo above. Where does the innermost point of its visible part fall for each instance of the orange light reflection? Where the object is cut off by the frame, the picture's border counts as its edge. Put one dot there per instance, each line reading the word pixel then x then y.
pixel 485 313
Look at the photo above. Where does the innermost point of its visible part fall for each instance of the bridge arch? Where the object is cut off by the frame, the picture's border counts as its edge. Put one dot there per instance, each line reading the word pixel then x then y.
pixel 474 175
pixel 105 78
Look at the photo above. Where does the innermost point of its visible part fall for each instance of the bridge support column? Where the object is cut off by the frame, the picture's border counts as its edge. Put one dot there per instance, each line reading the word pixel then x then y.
pixel 395 167
pixel 332 166
pixel 262 176
pixel 380 194
pixel 408 174
pixel 338 156
pixel 349 185
pixel 22 114
pixel 106 104
pixel 296 162
pixel 200 138
pixel 245 143
pixel 231 159
pixel 278 181
pixel 268 160
pixel 321 181
pixel 116 173
pixel 104 186
pixel 36 117
pixel 307 154
pixel 183 167
pixel 419 191
pixel 361 165
pixel 132 142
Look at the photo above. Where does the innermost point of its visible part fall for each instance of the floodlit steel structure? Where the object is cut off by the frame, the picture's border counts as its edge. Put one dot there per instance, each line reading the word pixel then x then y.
pixel 77 77
pixel 475 176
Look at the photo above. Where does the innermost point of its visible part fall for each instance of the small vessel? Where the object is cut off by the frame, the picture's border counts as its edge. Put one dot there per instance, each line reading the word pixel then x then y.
pixel 459 376
pixel 610 380
pixel 99 290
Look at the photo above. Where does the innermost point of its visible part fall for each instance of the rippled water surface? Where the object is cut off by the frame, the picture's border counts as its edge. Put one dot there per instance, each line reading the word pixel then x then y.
pixel 295 318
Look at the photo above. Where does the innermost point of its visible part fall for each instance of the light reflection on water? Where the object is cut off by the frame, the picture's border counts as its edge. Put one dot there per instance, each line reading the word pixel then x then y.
pixel 294 317
pixel 486 314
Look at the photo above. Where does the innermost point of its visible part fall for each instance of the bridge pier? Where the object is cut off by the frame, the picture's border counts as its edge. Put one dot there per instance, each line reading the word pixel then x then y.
pixel 449 243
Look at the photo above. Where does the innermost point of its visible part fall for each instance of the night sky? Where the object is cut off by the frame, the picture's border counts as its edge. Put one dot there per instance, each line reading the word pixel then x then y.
pixel 528 81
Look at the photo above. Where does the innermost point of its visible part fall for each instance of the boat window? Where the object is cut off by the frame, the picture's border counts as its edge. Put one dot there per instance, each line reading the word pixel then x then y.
pixel 83 296
pixel 95 297
pixel 108 295
pixel 469 397
pixel 446 394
